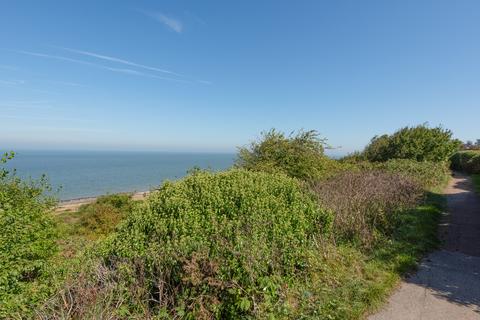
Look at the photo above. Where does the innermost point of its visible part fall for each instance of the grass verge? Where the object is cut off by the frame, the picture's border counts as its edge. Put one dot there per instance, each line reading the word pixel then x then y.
pixel 356 283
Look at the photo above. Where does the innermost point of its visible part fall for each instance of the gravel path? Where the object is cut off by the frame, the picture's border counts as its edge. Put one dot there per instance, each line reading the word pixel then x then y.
pixel 447 284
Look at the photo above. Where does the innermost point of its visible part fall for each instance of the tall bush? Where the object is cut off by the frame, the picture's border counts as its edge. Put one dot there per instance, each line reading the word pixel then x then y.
pixel 299 155
pixel 420 143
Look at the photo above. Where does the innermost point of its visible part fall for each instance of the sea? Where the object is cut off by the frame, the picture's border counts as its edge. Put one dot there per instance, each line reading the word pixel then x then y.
pixel 83 174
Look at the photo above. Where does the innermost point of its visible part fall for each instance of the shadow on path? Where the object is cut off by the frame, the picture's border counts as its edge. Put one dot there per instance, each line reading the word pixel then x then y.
pixel 452 276
pixel 447 284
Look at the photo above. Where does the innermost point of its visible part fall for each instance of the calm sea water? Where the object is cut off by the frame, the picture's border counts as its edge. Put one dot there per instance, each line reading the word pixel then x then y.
pixel 91 173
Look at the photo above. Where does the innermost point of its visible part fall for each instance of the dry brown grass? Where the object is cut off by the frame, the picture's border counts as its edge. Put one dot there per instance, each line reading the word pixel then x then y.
pixel 366 202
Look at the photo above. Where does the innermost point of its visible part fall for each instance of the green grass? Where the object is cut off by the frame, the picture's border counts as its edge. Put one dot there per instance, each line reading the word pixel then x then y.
pixel 353 283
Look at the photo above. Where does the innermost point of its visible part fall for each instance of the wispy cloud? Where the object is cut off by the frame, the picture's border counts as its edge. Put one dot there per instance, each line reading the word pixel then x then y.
pixel 51 56
pixel 122 61
pixel 172 23
pixel 12 82
pixel 118 70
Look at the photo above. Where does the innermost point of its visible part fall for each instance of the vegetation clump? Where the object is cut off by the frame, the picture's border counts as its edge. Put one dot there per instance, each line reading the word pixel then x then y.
pixel 420 143
pixel 208 246
pixel 100 218
pixel 367 202
pixel 290 234
pixel 27 241
pixel 430 175
pixel 466 161
pixel 299 155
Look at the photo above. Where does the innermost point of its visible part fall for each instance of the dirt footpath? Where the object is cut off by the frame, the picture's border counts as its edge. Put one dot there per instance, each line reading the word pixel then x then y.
pixel 447 284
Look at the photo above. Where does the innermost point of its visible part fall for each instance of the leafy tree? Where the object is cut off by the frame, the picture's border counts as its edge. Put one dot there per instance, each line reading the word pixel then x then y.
pixel 378 149
pixel 299 155
pixel 419 143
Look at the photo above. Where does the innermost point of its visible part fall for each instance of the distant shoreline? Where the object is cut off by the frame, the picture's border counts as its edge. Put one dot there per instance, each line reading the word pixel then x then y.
pixel 74 204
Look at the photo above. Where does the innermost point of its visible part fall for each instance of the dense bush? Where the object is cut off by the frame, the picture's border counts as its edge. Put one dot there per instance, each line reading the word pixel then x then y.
pixel 430 175
pixel 208 246
pixel 101 217
pixel 27 240
pixel 367 201
pixel 378 149
pixel 298 155
pixel 467 161
pixel 419 143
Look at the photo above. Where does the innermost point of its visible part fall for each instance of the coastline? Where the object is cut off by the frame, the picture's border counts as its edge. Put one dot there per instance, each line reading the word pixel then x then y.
pixel 74 204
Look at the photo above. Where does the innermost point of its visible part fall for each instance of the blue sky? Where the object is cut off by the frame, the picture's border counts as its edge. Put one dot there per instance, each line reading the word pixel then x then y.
pixel 211 75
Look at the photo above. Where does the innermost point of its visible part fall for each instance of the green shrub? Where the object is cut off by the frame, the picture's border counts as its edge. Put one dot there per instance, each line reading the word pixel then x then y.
pixel 430 175
pixel 419 143
pixel 27 241
pixel 467 161
pixel 378 149
pixel 298 155
pixel 100 218
pixel 208 246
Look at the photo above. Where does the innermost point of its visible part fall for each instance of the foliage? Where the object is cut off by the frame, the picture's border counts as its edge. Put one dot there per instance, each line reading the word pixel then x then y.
pixel 419 143
pixel 378 149
pixel 367 202
pixel 211 245
pixel 298 155
pixel 430 175
pixel 467 161
pixel 333 281
pixel 245 243
pixel 353 158
pixel 347 283
pixel 100 218
pixel 476 182
pixel 27 240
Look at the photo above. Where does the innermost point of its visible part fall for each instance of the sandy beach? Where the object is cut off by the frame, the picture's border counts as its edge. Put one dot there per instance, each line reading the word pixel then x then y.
pixel 74 204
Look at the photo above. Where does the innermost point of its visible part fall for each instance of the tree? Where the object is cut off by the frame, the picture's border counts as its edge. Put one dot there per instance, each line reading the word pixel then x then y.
pixel 299 155
pixel 419 143
pixel 377 150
